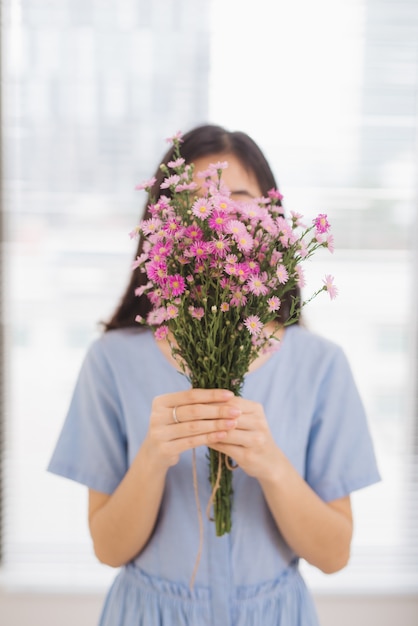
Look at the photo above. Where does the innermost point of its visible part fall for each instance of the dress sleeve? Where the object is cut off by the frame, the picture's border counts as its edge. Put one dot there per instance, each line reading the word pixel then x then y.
pixel 340 455
pixel 91 448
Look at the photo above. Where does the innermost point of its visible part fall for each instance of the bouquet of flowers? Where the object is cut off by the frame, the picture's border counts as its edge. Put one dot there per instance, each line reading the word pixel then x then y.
pixel 216 274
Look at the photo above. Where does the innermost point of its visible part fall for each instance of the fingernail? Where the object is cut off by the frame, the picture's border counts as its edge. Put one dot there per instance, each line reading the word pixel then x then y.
pixel 231 423
pixel 234 411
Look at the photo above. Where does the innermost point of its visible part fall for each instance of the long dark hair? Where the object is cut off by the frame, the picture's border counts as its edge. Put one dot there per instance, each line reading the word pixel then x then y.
pixel 203 141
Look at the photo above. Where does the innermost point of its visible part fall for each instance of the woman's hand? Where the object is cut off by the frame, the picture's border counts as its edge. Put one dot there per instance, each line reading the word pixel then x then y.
pixel 204 417
pixel 250 444
pixel 318 531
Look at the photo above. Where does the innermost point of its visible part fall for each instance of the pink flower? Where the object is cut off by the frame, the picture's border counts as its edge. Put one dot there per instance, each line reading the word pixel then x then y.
pixel 224 307
pixel 202 208
pixel 242 271
pixel 177 137
pixel 275 194
pixel 217 220
pixel 147 184
pixel 330 243
pixel 244 241
pixel 297 219
pixel 231 269
pixel 170 181
pixel 303 249
pixel 156 316
pixel 199 249
pixel 193 232
pixel 161 332
pixel 197 312
pixel 150 226
pixel 185 187
pixel 330 287
pixel 321 223
pixel 157 271
pixel 276 257
pixel 238 298
pixel 177 284
pixel 177 163
pixel 274 303
pixel 171 227
pixel 134 233
pixel 300 276
pixel 253 266
pixel 219 165
pixel 236 228
pixel 257 285
pixel 172 311
pixel 160 250
pixel 220 246
pixel 140 290
pixel 137 262
pixel 253 324
pixel 282 274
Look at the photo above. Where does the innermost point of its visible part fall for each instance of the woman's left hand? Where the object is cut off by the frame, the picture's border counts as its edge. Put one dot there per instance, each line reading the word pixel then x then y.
pixel 250 444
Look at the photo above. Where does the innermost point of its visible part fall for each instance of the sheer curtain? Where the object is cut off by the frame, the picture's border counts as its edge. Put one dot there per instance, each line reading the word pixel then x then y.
pixel 90 90
pixel 334 85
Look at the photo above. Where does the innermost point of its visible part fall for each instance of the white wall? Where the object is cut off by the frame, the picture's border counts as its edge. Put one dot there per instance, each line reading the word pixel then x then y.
pixel 41 609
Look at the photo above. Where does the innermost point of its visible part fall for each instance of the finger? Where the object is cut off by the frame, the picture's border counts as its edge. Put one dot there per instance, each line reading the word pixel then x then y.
pixel 210 439
pixel 199 427
pixel 193 412
pixel 193 396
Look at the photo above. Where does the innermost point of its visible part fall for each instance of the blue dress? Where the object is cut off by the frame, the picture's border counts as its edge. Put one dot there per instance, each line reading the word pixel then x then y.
pixel 249 577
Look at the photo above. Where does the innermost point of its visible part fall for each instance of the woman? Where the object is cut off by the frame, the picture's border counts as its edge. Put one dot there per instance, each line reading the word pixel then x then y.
pixel 298 435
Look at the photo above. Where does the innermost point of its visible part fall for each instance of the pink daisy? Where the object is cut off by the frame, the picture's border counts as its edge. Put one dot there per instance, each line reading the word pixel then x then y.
pixel 244 241
pixel 170 181
pixel 141 290
pixel 150 226
pixel 196 312
pixel 202 208
pixel 172 311
pixel 274 303
pixel 156 316
pixel 157 271
pixel 253 324
pixel 238 298
pixel 147 184
pixel 161 332
pixel 199 250
pixel 220 246
pixel 330 243
pixel 176 137
pixel 300 276
pixel 217 220
pixel 330 287
pixel 177 163
pixel 282 274
pixel 177 284
pixel 236 228
pixel 185 187
pixel 193 232
pixel 321 223
pixel 275 194
pixel 257 285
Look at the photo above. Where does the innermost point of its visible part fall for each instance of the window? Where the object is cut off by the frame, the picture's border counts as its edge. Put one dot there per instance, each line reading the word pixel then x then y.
pixel 89 94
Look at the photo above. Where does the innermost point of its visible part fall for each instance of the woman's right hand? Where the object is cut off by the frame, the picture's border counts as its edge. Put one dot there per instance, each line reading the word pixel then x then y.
pixel 204 417
pixel 121 523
